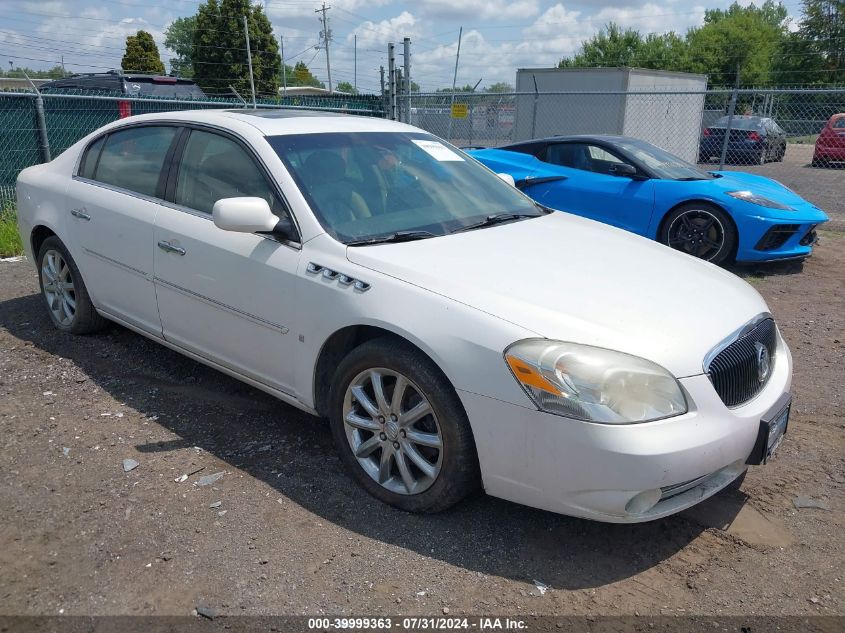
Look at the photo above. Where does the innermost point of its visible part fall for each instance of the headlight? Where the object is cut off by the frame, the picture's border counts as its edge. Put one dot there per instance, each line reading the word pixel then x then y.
pixel 753 198
pixel 594 384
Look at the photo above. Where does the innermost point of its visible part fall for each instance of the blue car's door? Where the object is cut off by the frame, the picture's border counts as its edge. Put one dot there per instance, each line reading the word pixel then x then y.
pixel 591 190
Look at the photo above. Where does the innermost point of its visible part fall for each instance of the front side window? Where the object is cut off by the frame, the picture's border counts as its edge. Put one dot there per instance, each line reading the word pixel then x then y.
pixel 365 185
pixel 582 156
pixel 214 167
pixel 132 159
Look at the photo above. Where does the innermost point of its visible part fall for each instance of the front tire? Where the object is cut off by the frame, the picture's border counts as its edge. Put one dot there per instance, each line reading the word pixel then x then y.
pixel 701 230
pixel 400 428
pixel 64 292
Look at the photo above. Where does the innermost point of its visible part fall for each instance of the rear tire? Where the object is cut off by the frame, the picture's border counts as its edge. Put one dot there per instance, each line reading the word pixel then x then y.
pixel 699 229
pixel 63 290
pixel 399 462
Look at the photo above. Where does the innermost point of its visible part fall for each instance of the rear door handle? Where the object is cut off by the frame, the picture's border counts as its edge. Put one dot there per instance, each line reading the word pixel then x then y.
pixel 79 213
pixel 167 246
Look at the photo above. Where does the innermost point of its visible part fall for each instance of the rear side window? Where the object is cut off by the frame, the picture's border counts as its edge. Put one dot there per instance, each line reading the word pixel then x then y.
pixel 89 161
pixel 214 167
pixel 839 124
pixel 132 159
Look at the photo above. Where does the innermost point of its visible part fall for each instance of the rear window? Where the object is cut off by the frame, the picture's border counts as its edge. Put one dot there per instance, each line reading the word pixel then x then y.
pixel 839 124
pixel 132 159
pixel 740 123
pixel 166 87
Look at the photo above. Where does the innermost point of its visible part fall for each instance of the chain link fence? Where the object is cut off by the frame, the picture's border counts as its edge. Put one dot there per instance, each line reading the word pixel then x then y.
pixel 69 117
pixel 794 136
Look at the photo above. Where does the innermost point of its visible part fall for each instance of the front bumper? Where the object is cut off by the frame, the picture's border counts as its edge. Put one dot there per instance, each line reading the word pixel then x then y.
pixel 595 471
pixel 763 239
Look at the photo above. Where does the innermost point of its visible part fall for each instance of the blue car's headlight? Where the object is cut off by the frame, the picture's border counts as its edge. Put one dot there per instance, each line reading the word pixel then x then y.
pixel 754 198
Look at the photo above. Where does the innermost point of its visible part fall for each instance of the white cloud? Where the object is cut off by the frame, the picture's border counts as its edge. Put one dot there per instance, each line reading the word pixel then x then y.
pixel 480 9
pixel 377 34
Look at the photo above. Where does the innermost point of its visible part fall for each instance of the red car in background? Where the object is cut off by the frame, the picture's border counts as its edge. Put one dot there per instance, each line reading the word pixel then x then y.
pixel 830 145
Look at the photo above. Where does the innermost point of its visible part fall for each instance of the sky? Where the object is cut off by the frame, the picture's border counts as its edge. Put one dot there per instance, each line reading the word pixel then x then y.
pixel 499 36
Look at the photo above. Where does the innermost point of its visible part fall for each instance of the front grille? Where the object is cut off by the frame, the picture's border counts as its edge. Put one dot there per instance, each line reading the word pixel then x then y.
pixel 810 237
pixel 776 236
pixel 734 371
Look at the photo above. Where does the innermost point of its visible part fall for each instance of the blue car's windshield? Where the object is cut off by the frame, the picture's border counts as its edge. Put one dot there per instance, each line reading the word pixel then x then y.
pixel 663 164
pixel 368 185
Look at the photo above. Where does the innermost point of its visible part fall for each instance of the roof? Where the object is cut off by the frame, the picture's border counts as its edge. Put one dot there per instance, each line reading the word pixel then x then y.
pixel 607 138
pixel 272 122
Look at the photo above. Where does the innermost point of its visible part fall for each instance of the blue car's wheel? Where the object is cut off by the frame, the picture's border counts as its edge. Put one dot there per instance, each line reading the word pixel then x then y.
pixel 701 230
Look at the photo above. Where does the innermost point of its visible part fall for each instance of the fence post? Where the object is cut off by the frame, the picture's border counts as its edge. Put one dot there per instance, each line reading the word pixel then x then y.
pixel 534 111
pixel 731 110
pixel 43 142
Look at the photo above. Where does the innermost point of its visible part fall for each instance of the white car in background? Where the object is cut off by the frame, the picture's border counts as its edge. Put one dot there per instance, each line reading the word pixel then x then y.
pixel 454 332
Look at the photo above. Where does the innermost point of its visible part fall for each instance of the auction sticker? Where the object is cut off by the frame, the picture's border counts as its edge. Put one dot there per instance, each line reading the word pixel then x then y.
pixel 438 151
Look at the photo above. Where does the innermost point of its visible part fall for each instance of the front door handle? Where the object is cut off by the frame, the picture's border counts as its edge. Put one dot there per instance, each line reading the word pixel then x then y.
pixel 167 246
pixel 79 213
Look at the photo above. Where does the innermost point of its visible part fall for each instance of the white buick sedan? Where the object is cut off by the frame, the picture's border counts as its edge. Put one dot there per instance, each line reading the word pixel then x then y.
pixel 454 333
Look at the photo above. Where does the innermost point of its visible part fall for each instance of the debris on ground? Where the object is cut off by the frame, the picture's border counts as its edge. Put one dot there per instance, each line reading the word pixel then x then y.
pixel 542 587
pixel 216 504
pixel 803 501
pixel 129 464
pixel 206 612
pixel 210 479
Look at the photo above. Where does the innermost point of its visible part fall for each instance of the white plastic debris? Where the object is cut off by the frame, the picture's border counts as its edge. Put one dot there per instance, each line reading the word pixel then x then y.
pixel 541 587
pixel 181 478
pixel 129 464
pixel 210 479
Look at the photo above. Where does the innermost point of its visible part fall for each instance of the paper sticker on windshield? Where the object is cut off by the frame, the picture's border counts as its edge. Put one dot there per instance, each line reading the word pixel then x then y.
pixel 438 151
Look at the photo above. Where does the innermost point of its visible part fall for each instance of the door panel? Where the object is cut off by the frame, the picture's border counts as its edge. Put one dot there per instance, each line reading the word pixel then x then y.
pixel 614 200
pixel 111 210
pixel 229 297
pixel 224 295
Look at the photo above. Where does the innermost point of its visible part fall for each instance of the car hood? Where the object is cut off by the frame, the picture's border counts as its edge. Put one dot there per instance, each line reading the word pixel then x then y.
pixel 743 181
pixel 573 279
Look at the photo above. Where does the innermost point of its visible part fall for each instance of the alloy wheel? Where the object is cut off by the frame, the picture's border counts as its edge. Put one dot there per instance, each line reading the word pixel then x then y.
pixel 393 431
pixel 58 288
pixel 698 233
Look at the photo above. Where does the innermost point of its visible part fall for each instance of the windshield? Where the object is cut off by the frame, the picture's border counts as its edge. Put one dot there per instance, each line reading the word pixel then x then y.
pixel 664 165
pixel 365 185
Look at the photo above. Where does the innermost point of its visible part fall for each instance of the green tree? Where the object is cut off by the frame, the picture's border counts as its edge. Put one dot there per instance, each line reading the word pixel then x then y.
pixel 56 72
pixel 822 29
pixel 219 54
pixel 179 38
pixel 299 75
pixel 345 86
pixel 141 54
pixel 501 86
pixel 745 38
pixel 610 47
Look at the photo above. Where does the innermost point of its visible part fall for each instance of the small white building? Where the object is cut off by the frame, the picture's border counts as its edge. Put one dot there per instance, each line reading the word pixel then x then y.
pixel 661 107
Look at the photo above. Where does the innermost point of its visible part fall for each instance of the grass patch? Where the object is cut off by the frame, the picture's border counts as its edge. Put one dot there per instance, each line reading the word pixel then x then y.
pixel 10 240
pixel 809 139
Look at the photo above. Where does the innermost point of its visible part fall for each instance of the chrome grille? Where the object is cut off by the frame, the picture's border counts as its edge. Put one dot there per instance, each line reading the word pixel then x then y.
pixel 734 370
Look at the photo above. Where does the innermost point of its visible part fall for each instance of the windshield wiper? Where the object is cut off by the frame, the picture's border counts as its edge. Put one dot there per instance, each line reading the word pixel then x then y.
pixel 496 218
pixel 390 238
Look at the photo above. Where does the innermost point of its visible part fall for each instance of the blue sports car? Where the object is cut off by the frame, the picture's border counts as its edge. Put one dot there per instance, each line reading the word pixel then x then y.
pixel 717 216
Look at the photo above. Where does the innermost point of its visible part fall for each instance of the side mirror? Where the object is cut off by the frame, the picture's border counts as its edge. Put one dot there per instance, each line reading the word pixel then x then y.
pixel 508 179
pixel 624 170
pixel 243 215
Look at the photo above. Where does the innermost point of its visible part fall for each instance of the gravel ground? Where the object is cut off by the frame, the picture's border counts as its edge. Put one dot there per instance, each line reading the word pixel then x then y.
pixel 285 531
pixel 824 187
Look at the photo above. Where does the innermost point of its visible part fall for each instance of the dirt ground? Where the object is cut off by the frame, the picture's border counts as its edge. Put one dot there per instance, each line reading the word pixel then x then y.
pixel 285 531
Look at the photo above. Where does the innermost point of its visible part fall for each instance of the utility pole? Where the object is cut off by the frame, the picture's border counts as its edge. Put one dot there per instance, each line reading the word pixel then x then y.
pixel 391 82
pixel 326 36
pixel 454 82
pixel 284 68
pixel 381 71
pixel 64 72
pixel 407 54
pixel 355 66
pixel 249 59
